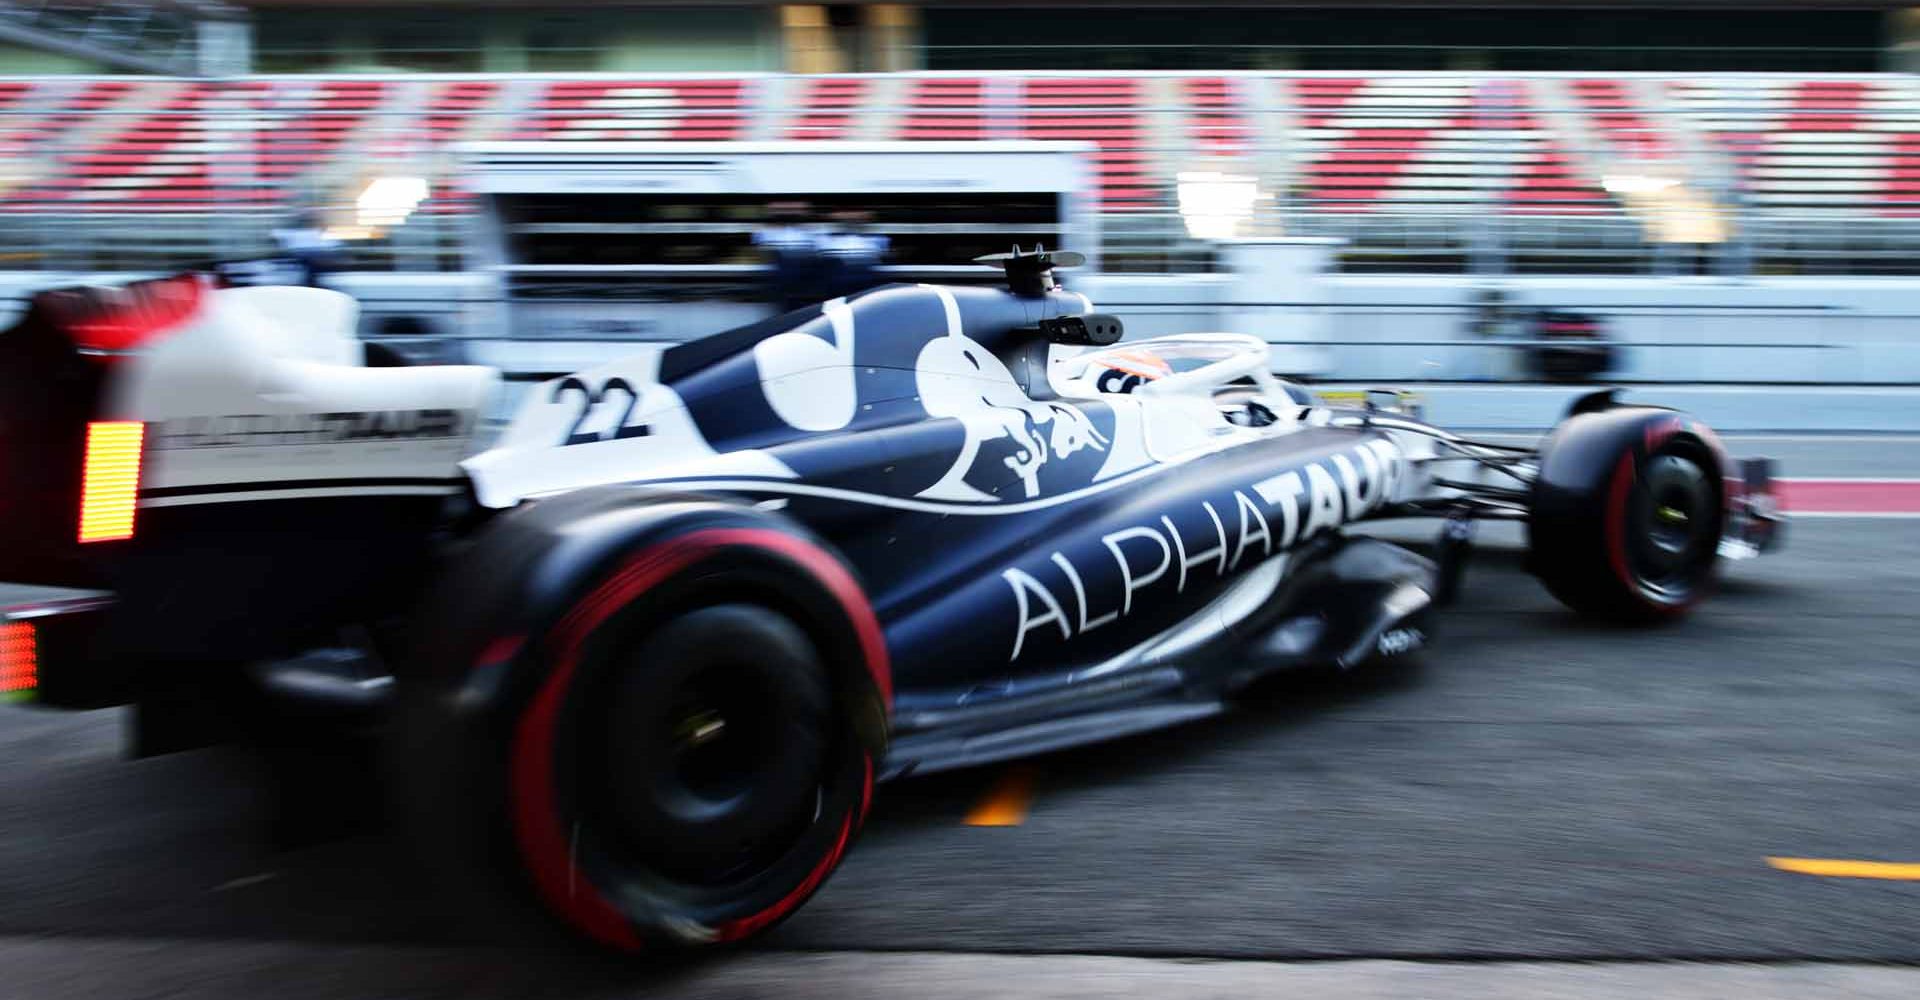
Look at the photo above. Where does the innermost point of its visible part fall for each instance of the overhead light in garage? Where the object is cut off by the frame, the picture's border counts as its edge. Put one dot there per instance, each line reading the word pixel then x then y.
pixel 388 201
pixel 1215 205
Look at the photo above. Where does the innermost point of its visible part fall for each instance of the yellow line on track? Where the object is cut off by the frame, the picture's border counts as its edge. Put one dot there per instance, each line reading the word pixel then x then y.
pixel 1005 804
pixel 1837 868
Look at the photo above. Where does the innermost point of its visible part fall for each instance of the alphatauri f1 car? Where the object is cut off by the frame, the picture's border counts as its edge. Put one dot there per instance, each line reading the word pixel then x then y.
pixel 643 658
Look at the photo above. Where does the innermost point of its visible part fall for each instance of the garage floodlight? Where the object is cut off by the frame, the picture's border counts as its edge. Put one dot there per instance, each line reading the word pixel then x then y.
pixel 1637 183
pixel 1215 205
pixel 388 201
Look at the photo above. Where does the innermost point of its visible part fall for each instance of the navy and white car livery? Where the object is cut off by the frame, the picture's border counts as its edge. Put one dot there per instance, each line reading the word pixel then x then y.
pixel 642 659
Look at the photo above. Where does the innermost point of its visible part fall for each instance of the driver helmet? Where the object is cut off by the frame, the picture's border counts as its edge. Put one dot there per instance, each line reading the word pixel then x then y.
pixel 1123 371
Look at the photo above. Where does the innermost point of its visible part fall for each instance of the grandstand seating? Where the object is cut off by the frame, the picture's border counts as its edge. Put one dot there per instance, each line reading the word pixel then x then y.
pixel 1622 124
pixel 1382 144
pixel 827 107
pixel 456 108
pixel 14 140
pixel 1218 122
pixel 22 133
pixel 1106 112
pixel 690 110
pixel 11 91
pixel 1451 144
pixel 945 108
pixel 1814 145
pixel 209 145
pixel 1902 192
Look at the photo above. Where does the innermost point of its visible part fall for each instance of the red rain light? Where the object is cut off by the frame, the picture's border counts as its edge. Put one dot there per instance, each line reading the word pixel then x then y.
pixel 19 659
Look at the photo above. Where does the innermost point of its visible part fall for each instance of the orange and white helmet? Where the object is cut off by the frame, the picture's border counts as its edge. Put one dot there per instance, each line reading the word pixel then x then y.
pixel 1124 370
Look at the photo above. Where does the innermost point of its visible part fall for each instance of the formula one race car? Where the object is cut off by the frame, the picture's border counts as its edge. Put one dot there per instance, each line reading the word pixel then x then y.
pixel 643 659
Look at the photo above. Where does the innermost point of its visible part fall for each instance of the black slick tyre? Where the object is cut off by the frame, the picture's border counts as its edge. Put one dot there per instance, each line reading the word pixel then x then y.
pixel 1634 538
pixel 673 749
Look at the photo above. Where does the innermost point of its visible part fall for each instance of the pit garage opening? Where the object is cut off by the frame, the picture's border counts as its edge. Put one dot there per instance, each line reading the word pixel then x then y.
pixel 629 241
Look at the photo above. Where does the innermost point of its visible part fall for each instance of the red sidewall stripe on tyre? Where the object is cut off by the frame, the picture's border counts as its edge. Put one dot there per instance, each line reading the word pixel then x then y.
pixel 845 589
pixel 548 849
pixel 1617 491
pixel 734 930
pixel 1658 433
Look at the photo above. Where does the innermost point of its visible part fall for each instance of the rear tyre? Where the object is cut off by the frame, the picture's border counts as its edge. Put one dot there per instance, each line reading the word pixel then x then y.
pixel 1643 545
pixel 670 760
pixel 712 751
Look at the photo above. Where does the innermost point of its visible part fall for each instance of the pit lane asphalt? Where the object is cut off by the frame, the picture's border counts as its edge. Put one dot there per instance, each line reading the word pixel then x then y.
pixel 1536 788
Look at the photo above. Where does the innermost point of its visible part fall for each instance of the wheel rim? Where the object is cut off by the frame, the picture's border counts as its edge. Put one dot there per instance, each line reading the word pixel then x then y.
pixel 717 780
pixel 1674 528
pixel 716 745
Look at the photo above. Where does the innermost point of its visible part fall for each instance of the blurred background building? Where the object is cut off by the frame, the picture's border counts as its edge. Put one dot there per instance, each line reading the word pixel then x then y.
pixel 491 36
pixel 1422 142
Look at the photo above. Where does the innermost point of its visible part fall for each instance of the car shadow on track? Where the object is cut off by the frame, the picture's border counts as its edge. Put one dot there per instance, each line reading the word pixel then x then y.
pixel 1499 606
pixel 1261 713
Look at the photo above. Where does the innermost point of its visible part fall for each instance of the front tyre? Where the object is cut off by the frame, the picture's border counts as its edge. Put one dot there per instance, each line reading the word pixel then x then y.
pixel 1627 515
pixel 671 755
